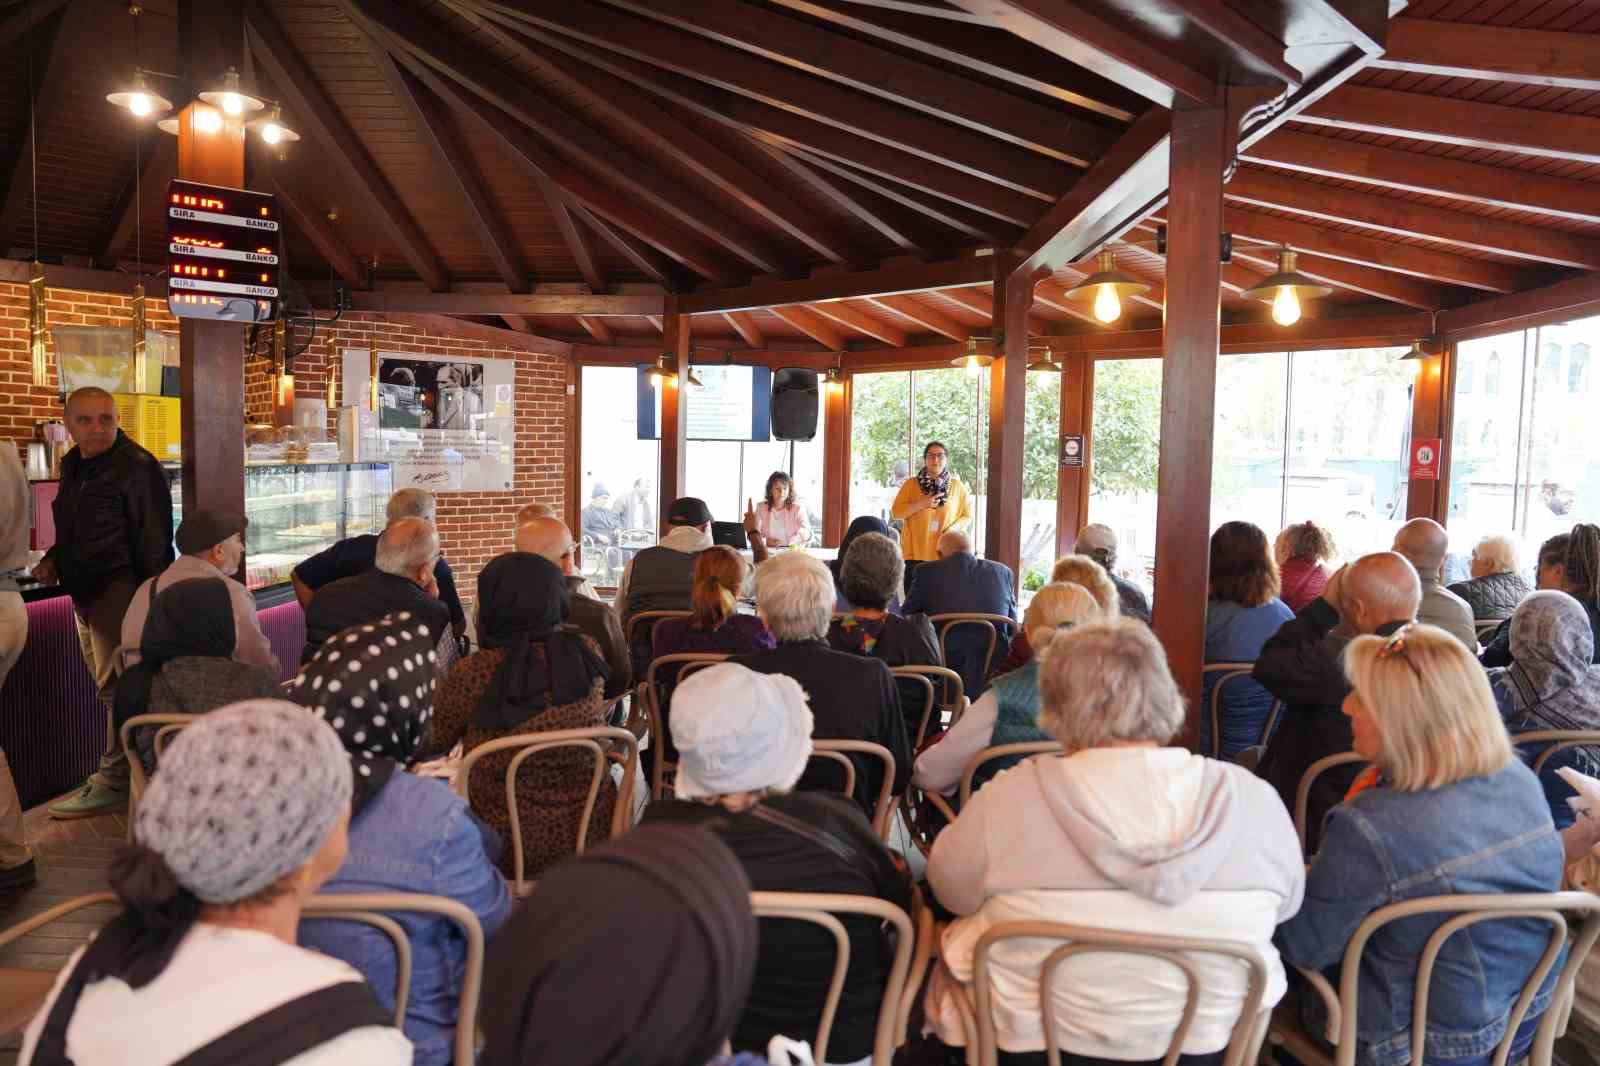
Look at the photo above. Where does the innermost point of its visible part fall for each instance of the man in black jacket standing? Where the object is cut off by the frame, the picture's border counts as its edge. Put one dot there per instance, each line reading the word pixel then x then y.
pixel 113 515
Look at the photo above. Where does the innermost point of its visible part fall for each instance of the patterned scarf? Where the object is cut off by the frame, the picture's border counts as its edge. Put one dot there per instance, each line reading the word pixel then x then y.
pixel 1553 681
pixel 938 487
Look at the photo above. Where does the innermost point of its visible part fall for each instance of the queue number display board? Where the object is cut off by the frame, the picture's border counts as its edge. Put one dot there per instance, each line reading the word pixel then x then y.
pixel 222 252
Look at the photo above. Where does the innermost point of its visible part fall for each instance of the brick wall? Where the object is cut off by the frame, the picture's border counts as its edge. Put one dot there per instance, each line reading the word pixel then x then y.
pixel 474 526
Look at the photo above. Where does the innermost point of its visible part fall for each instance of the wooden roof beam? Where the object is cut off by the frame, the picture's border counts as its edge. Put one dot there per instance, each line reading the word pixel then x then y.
pixel 315 111
pixel 885 223
pixel 1464 122
pixel 525 340
pixel 744 324
pixel 573 236
pixel 858 320
pixel 1396 288
pixel 1075 34
pixel 1492 53
pixel 160 166
pixel 891 279
pixel 973 227
pixel 920 314
pixel 982 301
pixel 650 262
pixel 1391 168
pixel 597 329
pixel 506 303
pixel 1244 37
pixel 813 325
pixel 26 17
pixel 314 226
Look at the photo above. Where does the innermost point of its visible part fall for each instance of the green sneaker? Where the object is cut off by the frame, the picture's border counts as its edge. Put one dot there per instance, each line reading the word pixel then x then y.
pixel 90 800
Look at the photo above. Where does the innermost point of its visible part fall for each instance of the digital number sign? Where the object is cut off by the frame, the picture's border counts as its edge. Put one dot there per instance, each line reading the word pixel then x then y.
pixel 222 252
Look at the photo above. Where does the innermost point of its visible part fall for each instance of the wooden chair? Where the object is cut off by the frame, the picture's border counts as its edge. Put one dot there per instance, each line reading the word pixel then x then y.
pixel 932 679
pixel 1001 751
pixel 601 741
pixel 23 992
pixel 1487 627
pixel 922 828
pixel 1549 907
pixel 373 908
pixel 822 909
pixel 944 623
pixel 839 751
pixel 167 726
pixel 1248 1030
pixel 1302 793
pixel 655 701
pixel 1559 740
pixel 1226 672
pixel 650 618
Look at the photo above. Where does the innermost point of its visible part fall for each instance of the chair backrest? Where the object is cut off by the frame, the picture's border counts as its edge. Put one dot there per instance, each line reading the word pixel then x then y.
pixel 1302 794
pixel 840 751
pixel 1248 1030
pixel 650 618
pixel 932 678
pixel 1559 740
pixel 654 699
pixel 599 740
pixel 1224 673
pixel 373 908
pixel 944 623
pixel 821 908
pixel 1487 626
pixel 23 992
pixel 167 726
pixel 1000 751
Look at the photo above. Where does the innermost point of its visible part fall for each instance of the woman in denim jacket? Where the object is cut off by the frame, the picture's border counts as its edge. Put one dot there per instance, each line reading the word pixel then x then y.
pixel 1451 811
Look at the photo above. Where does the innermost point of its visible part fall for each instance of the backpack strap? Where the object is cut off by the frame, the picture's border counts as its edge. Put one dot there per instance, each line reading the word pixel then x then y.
pixel 294 1028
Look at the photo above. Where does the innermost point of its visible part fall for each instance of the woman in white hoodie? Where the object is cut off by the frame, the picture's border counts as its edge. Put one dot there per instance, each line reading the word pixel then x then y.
pixel 1122 832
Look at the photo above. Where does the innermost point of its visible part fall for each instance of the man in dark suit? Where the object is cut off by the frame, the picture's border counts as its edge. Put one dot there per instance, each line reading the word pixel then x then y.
pixel 959 582
pixel 403 580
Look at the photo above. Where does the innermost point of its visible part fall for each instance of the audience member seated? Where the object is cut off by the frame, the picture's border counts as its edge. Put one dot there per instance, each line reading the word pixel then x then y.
pixel 715 624
pixel 1569 562
pixel 659 979
pixel 661 578
pixel 1424 542
pixel 860 527
pixel 1008 713
pixel 872 576
pixel 781 519
pixel 1242 612
pixel 1552 684
pixel 357 555
pixel 404 580
pixel 1079 570
pixel 550 538
pixel 1099 543
pixel 186 661
pixel 599 522
pixel 1300 665
pixel 210 545
pixel 959 582
pixel 1126 833
pixel 1452 812
pixel 743 740
pixel 407 833
pixel 531 674
pixel 1303 552
pixel 245 821
pixel 1496 586
pixel 851 697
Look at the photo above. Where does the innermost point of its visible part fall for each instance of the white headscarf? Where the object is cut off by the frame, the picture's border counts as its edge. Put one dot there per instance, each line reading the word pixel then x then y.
pixel 739 731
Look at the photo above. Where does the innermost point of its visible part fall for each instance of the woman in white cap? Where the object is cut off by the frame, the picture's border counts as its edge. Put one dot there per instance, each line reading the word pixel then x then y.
pixel 245 821
pixel 743 740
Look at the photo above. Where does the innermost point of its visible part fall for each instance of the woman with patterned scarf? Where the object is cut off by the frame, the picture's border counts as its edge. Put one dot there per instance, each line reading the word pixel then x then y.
pixel 931 502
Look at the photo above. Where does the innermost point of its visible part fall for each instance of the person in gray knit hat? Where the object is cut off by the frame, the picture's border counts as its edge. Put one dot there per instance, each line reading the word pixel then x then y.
pixel 246 819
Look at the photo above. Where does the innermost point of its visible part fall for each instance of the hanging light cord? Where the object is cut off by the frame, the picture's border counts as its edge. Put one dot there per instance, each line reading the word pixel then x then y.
pixel 138 166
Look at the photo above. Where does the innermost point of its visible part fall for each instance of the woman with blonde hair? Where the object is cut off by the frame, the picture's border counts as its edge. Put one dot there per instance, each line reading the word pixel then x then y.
pixel 1079 570
pixel 1303 551
pixel 1007 712
pixel 1452 812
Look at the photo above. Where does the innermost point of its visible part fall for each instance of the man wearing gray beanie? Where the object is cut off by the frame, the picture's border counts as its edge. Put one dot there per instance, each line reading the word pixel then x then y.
pixel 246 819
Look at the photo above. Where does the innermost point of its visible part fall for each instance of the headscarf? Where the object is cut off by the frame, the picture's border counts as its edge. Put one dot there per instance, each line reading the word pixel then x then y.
pixel 374 685
pixel 191 617
pixel 552 996
pixel 1552 678
pixel 937 487
pixel 860 527
pixel 522 603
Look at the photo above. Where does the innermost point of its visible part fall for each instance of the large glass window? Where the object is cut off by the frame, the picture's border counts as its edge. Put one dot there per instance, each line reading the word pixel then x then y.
pixel 1123 458
pixel 617 486
pixel 1040 476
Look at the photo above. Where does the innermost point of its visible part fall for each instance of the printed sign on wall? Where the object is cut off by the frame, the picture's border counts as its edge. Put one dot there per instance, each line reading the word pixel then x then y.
pixel 1425 458
pixel 1072 449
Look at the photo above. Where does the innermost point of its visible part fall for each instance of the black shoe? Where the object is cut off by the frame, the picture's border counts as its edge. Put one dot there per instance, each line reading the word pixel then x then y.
pixel 18 876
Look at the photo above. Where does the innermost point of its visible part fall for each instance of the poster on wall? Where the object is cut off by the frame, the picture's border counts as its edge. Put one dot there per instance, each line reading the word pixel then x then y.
pixel 447 423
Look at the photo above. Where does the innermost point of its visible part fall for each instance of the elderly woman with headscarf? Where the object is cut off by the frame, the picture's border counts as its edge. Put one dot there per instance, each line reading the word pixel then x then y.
pixel 407 833
pixel 186 663
pixel 245 821
pixel 556 989
pixel 860 527
pixel 743 741
pixel 1551 684
pixel 533 674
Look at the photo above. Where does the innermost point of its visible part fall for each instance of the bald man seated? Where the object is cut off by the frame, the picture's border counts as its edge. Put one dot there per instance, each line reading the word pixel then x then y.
pixel 1301 665
pixel 550 538
pixel 1424 543
pixel 958 582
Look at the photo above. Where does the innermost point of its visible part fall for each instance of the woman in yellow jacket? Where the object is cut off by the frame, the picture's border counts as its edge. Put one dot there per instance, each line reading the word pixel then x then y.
pixel 933 501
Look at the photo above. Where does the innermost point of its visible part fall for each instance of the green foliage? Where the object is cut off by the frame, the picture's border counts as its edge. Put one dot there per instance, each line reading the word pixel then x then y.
pixel 1127 425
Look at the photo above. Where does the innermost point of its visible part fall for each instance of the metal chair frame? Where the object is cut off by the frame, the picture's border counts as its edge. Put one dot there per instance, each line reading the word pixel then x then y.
pixel 652 617
pixel 921 836
pixel 1487 626
pixel 947 622
pixel 1467 910
pixel 167 726
pixel 1000 751
pixel 1559 740
pixel 839 751
pixel 650 694
pixel 1249 1030
pixel 1302 792
pixel 597 740
pixel 1230 672
pixel 931 677
pixel 822 909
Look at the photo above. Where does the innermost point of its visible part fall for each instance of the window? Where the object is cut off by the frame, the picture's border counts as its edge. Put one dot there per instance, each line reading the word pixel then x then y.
pixel 1041 469
pixel 1123 458
pixel 617 486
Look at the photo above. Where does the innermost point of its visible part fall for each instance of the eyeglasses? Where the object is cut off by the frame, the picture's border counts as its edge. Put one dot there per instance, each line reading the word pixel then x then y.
pixel 1396 645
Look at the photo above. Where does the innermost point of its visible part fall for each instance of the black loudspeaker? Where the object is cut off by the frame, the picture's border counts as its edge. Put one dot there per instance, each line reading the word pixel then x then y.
pixel 794 404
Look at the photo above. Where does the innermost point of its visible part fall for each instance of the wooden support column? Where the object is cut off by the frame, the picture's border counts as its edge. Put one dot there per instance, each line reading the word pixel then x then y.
pixel 1077 416
pixel 1201 144
pixel 674 424
pixel 1433 389
pixel 572 502
pixel 1008 380
pixel 836 460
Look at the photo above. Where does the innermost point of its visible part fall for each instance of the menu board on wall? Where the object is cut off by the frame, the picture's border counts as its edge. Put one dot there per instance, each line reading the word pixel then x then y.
pixel 447 423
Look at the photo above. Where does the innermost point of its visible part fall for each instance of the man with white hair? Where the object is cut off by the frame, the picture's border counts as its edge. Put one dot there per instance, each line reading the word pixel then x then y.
pixel 1496 586
pixel 1099 543
pixel 403 580
pixel 550 538
pixel 959 582
pixel 1424 543
pixel 356 555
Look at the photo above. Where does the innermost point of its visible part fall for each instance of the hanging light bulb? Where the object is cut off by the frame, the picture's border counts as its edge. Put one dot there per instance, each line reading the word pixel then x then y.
pixel 207 120
pixel 973 361
pixel 139 98
pixel 1107 306
pixel 1107 287
pixel 662 372
pixel 231 98
pixel 272 129
pixel 1286 306
pixel 1041 360
pixel 1414 359
pixel 1286 290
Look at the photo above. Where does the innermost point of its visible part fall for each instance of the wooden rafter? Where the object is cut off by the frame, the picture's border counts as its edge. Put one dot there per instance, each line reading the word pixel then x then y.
pixel 982 302
pixel 920 314
pixel 339 144
pixel 525 340
pixel 972 226
pixel 573 235
pixel 1352 277
pixel 313 225
pixel 1242 35
pixel 855 318
pixel 50 89
pixel 597 328
pixel 159 167
pixel 1492 53
pixel 647 259
pixel 26 17
pixel 891 279
pixel 813 325
pixel 884 222
pixel 536 302
pixel 744 324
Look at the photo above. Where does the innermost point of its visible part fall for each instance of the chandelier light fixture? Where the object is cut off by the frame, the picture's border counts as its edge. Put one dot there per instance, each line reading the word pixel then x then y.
pixel 1287 290
pixel 1107 287
pixel 974 361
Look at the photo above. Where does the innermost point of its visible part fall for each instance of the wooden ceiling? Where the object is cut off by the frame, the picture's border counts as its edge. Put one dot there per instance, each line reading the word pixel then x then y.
pixel 747 153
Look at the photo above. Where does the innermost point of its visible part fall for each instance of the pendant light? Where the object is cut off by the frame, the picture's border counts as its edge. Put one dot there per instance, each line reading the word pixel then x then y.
pixel 662 372
pixel 141 100
pixel 1286 290
pixel 1107 287
pixel 272 130
pixel 230 98
pixel 1414 359
pixel 1044 361
pixel 973 361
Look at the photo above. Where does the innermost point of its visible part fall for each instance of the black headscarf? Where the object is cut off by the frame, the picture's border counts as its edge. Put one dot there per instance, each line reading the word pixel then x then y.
pixel 550 996
pixel 860 527
pixel 191 617
pixel 522 602
pixel 374 684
